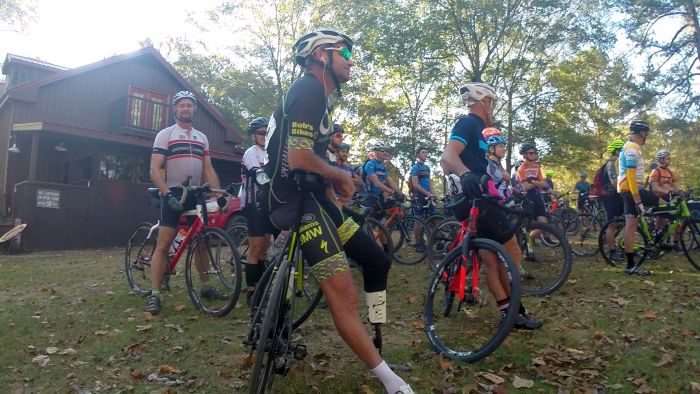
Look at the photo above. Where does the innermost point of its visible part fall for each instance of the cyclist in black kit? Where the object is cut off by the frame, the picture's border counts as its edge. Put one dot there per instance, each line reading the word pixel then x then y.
pixel 303 181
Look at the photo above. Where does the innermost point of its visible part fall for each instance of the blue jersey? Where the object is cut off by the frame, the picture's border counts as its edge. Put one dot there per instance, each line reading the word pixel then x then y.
pixel 467 130
pixel 374 167
pixel 422 171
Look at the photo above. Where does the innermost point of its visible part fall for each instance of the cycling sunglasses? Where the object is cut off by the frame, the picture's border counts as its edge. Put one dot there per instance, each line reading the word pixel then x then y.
pixel 345 53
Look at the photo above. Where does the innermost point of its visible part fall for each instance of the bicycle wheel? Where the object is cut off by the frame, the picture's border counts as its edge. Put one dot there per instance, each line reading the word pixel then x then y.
pixel 433 220
pixel 238 232
pixel 546 261
pixel 413 235
pixel 472 328
pixel 570 220
pixel 440 240
pixel 213 272
pixel 137 258
pixel 584 243
pixel 379 234
pixel 690 241
pixel 267 346
pixel 613 252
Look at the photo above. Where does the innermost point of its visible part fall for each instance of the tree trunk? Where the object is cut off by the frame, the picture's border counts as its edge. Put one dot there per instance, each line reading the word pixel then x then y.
pixel 509 150
pixel 693 15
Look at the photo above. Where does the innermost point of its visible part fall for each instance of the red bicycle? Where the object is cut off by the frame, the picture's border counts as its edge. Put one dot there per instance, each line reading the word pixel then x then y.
pixel 476 327
pixel 213 264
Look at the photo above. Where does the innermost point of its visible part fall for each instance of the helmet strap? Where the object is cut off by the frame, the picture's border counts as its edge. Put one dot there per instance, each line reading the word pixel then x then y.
pixel 329 66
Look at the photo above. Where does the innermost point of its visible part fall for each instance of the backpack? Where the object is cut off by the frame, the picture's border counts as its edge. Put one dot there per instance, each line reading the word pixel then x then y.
pixel 601 182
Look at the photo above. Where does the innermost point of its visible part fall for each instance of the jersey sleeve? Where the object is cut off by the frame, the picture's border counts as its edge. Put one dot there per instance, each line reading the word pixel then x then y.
pixel 630 158
pixel 540 176
pixel 415 170
pixel 520 174
pixel 206 144
pixel 654 175
pixel 160 144
pixel 304 116
pixel 248 160
pixel 459 132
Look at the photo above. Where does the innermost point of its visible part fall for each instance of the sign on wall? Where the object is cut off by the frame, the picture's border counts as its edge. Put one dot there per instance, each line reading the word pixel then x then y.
pixel 48 198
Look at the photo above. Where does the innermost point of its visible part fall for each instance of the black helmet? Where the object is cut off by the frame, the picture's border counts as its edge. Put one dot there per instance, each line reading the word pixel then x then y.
pixel 344 147
pixel 526 147
pixel 639 126
pixel 337 128
pixel 257 123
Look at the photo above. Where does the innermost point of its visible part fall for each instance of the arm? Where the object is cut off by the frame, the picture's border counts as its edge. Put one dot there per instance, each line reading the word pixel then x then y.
pixel 209 175
pixel 374 179
pixel 418 187
pixel 450 161
pixel 157 175
pixel 391 185
pixel 631 174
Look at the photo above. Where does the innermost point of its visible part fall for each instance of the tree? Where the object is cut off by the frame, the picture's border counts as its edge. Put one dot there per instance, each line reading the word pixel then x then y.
pixel 672 63
pixel 16 14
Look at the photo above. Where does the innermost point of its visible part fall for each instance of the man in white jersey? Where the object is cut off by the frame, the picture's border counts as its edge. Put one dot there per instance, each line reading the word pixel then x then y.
pixel 259 226
pixel 180 156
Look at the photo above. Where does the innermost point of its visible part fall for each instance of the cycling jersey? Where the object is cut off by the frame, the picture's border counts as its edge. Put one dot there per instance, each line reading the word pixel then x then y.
pixel 184 152
pixel 467 130
pixel 582 187
pixel 374 167
pixel 662 176
pixel 253 158
pixel 422 171
pixel 630 158
pixel 529 171
pixel 301 122
pixel 499 187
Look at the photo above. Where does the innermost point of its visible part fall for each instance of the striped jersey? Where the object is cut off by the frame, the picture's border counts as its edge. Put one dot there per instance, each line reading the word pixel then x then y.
pixel 184 154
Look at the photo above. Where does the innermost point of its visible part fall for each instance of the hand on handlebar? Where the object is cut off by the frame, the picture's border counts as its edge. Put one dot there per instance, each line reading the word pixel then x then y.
pixel 173 202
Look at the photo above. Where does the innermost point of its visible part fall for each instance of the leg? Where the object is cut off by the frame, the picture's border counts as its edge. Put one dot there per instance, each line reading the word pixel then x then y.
pixel 159 265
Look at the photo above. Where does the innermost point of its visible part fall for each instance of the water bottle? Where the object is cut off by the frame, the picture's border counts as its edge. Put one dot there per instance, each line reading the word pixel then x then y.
pixel 261 177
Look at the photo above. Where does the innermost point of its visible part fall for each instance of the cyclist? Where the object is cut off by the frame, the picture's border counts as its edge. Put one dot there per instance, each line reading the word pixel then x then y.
pixel 336 141
pixel 529 176
pixel 496 152
pixel 612 202
pixel 259 227
pixel 582 188
pixel 377 182
pixel 421 189
pixel 629 185
pixel 662 180
pixel 548 180
pixel 180 157
pixel 465 156
pixel 300 192
pixel 341 162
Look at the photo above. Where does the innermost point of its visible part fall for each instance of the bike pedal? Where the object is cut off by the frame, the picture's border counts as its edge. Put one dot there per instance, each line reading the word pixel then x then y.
pixel 300 352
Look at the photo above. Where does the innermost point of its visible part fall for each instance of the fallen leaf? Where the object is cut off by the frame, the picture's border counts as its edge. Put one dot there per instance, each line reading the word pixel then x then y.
pixel 649 315
pixel 412 299
pixel 694 388
pixel 650 283
pixel 520 383
pixel 147 316
pixel 616 386
pixel 42 360
pixel 666 359
pixel 445 364
pixel 136 374
pixel 100 333
pixel 180 307
pixel 539 361
pixel 493 378
pixel 365 389
pixel 51 350
pixel 620 301
pixel 143 328
pixel 175 327
pixel 168 370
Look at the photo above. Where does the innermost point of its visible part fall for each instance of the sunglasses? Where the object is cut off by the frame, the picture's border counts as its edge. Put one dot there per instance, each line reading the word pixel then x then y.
pixel 345 53
pixel 530 153
pixel 260 133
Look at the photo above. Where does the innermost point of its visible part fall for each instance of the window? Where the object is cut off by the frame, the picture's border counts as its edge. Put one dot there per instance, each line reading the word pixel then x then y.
pixel 147 110
pixel 123 167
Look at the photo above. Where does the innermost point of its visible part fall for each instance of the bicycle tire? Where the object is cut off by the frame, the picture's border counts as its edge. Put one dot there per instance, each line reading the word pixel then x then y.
pixel 407 257
pixel 262 375
pixel 560 242
pixel 584 242
pixel 505 325
pixel 692 244
pixel 234 262
pixel 440 238
pixel 640 250
pixel 131 262
pixel 376 230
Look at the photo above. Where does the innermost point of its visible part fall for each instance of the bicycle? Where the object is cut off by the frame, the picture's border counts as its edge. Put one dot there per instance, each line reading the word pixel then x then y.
pixel 591 219
pixel 470 327
pixel 200 233
pixel 401 226
pixel 651 243
pixel 273 315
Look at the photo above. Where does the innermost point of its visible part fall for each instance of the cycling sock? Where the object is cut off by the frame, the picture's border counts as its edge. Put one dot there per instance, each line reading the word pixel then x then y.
pixel 522 310
pixel 391 381
pixel 630 260
pixel 155 292
pixel 253 272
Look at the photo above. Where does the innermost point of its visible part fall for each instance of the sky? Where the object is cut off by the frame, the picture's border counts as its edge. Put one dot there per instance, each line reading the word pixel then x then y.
pixel 73 33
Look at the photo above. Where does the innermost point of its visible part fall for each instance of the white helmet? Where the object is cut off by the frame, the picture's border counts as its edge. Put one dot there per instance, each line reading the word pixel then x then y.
pixel 184 94
pixel 662 154
pixel 474 92
pixel 306 44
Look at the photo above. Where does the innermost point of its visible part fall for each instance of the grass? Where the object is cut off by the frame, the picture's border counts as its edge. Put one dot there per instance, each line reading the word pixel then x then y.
pixel 604 332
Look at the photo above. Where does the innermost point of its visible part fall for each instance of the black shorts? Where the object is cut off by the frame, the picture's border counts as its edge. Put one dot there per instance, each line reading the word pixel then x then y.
pixel 535 198
pixel 649 199
pixel 613 205
pixel 259 223
pixel 419 211
pixel 169 217
pixel 493 223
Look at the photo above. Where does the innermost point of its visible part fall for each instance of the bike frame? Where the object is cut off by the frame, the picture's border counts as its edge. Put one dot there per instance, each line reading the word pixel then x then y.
pixel 457 283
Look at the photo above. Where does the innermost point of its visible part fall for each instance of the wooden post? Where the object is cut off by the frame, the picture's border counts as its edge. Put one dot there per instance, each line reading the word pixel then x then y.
pixel 33 157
